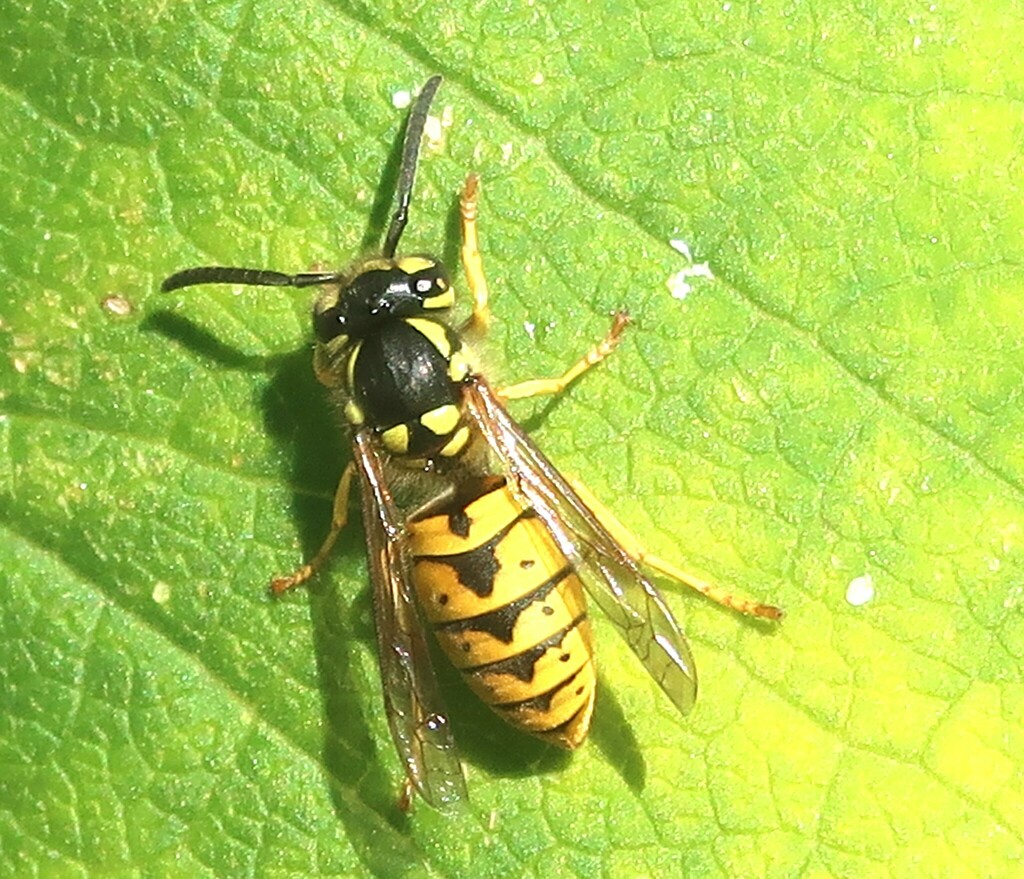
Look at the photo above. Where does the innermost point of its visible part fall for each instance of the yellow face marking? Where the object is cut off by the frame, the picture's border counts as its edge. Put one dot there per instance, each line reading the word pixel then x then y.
pixel 353 413
pixel 441 420
pixel 350 371
pixel 413 264
pixel 441 300
pixel 434 332
pixel 459 366
pixel 396 439
pixel 457 443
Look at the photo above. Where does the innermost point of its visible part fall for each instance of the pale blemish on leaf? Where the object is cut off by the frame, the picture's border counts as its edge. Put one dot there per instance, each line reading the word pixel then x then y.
pixel 860 590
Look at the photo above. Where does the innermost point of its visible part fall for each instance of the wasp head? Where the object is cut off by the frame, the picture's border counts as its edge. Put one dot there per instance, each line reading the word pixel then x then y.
pixel 379 290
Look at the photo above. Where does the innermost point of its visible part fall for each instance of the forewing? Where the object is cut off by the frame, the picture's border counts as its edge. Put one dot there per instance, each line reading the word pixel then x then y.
pixel 613 579
pixel 412 701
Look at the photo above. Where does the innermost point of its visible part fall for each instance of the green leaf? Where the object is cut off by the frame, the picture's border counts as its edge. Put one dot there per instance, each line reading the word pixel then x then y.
pixel 833 401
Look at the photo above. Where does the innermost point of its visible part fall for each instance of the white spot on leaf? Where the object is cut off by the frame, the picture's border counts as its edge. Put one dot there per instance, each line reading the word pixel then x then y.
pixel 433 131
pixel 679 284
pixel 680 246
pixel 860 590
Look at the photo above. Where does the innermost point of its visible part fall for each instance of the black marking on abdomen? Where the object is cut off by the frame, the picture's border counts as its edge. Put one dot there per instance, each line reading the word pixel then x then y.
pixel 542 703
pixel 459 523
pixel 500 622
pixel 523 665
pixel 560 727
pixel 477 568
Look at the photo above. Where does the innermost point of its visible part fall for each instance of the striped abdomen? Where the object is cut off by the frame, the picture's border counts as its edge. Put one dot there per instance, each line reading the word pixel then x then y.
pixel 508 609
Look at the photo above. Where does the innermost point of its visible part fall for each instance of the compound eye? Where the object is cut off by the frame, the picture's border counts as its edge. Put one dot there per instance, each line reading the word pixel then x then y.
pixel 433 288
pixel 329 324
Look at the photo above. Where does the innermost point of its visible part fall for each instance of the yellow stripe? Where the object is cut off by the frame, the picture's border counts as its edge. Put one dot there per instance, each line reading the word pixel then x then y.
pixel 487 515
pixel 441 300
pixel 574 697
pixel 459 366
pixel 441 420
pixel 456 444
pixel 444 597
pixel 396 439
pixel 350 370
pixel 434 332
pixel 354 414
pixel 504 555
pixel 549 670
pixel 467 645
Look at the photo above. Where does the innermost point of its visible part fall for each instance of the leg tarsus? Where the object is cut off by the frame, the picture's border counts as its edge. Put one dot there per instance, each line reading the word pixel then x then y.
pixel 636 552
pixel 339 517
pixel 548 386
pixel 717 594
pixel 472 262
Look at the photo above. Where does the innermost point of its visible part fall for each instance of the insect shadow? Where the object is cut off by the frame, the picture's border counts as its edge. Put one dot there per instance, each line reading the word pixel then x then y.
pixel 298 418
pixel 296 415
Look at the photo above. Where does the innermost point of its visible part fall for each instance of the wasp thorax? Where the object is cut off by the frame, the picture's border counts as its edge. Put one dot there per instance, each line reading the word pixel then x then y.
pixel 381 289
pixel 384 344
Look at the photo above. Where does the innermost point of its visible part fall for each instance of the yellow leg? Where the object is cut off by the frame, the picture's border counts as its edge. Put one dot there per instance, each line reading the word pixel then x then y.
pixel 636 552
pixel 545 386
pixel 338 519
pixel 472 263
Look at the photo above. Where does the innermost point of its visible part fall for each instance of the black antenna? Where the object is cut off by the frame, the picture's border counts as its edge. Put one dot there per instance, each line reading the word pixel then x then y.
pixel 248 277
pixel 403 194
pixel 410 156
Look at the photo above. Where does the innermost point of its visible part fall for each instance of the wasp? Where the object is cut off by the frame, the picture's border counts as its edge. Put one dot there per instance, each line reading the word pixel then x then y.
pixel 470 530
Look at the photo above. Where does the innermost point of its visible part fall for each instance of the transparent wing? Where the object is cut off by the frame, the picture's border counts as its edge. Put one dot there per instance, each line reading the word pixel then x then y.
pixel 417 718
pixel 613 579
